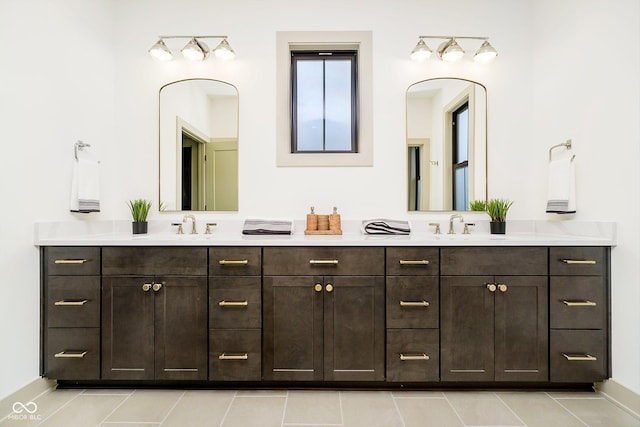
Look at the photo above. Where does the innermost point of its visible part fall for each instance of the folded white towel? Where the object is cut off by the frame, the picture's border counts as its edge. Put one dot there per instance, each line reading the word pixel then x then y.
pixel 562 186
pixel 85 186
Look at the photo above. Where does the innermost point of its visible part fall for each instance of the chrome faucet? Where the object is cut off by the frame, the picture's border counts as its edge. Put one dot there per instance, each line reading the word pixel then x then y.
pixel 193 222
pixel 454 216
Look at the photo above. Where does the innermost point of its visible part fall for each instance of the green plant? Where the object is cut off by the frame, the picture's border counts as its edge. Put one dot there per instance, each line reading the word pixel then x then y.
pixel 139 209
pixel 478 206
pixel 498 208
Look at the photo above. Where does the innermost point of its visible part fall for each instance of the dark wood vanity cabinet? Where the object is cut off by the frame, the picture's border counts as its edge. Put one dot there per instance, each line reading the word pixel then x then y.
pixel 494 315
pixel 235 314
pixel 323 314
pixel 578 314
pixel 413 315
pixel 71 313
pixel 154 313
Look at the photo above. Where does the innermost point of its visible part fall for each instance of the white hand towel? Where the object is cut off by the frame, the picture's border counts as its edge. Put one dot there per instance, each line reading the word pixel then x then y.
pixel 562 186
pixel 85 186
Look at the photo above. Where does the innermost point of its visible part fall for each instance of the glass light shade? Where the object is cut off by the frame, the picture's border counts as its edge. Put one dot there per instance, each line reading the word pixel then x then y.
pixel 195 50
pixel 223 51
pixel 452 51
pixel 421 52
pixel 486 53
pixel 160 51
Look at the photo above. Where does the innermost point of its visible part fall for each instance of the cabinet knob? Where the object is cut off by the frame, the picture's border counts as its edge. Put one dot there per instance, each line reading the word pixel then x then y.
pixel 503 288
pixel 317 287
pixel 491 287
pixel 157 287
pixel 329 287
pixel 146 287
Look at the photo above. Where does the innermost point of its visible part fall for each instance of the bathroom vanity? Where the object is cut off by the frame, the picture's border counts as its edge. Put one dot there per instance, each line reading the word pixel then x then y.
pixel 314 311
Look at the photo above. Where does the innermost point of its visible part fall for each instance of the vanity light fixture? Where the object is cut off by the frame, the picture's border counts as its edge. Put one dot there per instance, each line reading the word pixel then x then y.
pixel 195 49
pixel 450 51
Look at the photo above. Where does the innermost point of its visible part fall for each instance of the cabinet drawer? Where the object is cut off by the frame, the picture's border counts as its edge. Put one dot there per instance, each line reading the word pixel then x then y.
pixel 235 355
pixel 142 260
pixel 73 353
pixel 499 261
pixel 413 355
pixel 72 261
pixel 235 302
pixel 333 261
pixel 412 302
pixel 235 261
pixel 577 356
pixel 585 261
pixel 577 302
pixel 73 301
pixel 413 261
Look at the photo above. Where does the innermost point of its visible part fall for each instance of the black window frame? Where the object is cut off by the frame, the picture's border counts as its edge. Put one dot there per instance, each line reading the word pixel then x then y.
pixel 325 55
pixel 454 152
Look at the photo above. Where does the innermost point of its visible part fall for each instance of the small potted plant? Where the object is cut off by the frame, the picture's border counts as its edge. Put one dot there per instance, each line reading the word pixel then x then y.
pixel 139 211
pixel 497 210
pixel 478 206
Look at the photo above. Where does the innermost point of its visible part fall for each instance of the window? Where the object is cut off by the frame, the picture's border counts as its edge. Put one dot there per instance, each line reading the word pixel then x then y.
pixel 324 102
pixel 460 157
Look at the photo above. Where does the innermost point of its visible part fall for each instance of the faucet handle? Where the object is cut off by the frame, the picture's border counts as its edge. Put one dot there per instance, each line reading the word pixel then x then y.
pixel 466 227
pixel 179 225
pixel 209 225
pixel 437 226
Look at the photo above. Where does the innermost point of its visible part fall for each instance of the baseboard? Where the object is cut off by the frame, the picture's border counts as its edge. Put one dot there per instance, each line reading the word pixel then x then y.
pixel 25 394
pixel 620 396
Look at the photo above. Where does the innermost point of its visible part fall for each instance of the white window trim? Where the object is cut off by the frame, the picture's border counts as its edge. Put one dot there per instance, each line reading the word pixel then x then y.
pixel 286 41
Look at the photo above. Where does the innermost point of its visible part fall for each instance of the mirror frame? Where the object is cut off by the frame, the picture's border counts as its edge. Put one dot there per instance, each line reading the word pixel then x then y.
pixel 486 144
pixel 180 121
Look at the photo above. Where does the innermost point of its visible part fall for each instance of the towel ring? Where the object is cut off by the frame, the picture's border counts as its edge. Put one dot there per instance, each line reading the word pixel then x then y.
pixel 566 144
pixel 79 146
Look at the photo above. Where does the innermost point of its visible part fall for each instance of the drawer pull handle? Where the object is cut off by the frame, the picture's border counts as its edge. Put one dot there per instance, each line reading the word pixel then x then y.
pixel 414 262
pixel 579 261
pixel 241 356
pixel 233 303
pixel 71 303
pixel 71 355
pixel 233 262
pixel 414 303
pixel 414 356
pixel 70 261
pixel 323 261
pixel 579 303
pixel 580 357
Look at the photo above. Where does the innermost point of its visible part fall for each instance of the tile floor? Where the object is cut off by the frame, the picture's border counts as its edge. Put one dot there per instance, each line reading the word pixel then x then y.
pixel 296 408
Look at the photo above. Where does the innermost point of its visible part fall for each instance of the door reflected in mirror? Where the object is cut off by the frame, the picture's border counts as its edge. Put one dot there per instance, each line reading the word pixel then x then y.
pixel 198 146
pixel 446 144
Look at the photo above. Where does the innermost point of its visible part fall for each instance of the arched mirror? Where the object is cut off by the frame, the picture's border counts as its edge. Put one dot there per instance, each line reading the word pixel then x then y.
pixel 446 144
pixel 198 146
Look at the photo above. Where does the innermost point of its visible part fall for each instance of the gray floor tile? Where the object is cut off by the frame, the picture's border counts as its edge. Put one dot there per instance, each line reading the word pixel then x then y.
pixel 151 406
pixel 482 409
pixel 84 411
pixel 539 410
pixel 313 407
pixel 369 409
pixel 599 413
pixel 418 394
pixel 47 404
pixel 200 408
pixel 255 411
pixel 427 412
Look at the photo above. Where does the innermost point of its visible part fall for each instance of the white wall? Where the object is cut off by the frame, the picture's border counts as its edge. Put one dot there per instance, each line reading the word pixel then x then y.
pixel 55 99
pixel 56 86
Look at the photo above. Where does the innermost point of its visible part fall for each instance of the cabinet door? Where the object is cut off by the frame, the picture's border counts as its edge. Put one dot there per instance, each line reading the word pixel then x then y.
pixel 292 328
pixel 127 328
pixel 354 328
pixel 521 329
pixel 467 328
pixel 181 328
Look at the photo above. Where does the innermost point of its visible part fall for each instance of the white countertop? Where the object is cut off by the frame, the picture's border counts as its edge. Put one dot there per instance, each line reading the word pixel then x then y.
pixel 229 233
